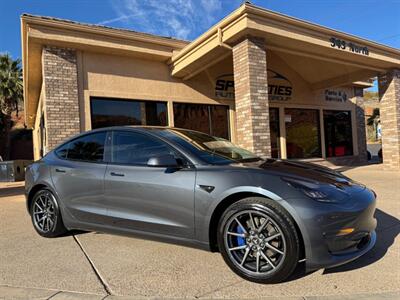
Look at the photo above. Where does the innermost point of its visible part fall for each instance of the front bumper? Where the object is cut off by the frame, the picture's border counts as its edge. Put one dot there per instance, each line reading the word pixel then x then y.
pixel 323 222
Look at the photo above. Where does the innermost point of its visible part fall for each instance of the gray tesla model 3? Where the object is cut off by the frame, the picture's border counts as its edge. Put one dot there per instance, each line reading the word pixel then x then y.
pixel 186 187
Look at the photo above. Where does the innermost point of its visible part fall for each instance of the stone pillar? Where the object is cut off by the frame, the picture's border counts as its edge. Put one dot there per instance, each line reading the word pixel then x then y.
pixel 251 96
pixel 361 130
pixel 389 95
pixel 60 83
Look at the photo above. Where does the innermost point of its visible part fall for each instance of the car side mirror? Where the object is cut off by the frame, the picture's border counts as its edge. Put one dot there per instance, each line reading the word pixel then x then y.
pixel 163 161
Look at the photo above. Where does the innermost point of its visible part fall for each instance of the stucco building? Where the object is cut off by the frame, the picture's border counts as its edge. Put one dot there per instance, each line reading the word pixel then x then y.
pixel 273 84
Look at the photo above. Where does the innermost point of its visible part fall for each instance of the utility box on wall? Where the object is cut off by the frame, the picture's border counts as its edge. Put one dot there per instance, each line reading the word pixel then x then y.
pixel 13 170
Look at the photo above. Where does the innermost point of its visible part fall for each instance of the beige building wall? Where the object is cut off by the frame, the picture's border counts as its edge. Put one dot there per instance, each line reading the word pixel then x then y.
pixel 133 78
pixel 125 77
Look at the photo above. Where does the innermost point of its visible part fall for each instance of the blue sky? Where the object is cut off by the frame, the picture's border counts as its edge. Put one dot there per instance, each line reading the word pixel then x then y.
pixel 377 20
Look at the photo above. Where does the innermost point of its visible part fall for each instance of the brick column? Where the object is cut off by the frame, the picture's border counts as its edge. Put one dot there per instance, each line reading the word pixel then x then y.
pixel 389 94
pixel 60 81
pixel 361 129
pixel 251 96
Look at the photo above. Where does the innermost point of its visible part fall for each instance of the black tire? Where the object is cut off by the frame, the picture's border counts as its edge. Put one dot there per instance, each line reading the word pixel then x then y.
pixel 52 210
pixel 289 241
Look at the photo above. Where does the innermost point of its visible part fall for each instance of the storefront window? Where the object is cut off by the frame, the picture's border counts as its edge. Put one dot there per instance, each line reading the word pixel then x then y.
pixel 210 119
pixel 338 133
pixel 274 132
pixel 302 133
pixel 112 112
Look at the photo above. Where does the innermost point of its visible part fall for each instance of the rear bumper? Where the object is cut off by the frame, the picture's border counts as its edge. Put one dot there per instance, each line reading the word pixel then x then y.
pixel 328 247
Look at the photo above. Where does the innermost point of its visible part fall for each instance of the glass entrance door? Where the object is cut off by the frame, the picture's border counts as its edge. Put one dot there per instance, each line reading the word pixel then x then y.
pixel 338 133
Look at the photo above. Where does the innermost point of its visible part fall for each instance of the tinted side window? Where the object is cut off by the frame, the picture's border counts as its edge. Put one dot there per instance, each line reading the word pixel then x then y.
pixel 87 148
pixel 136 148
pixel 62 152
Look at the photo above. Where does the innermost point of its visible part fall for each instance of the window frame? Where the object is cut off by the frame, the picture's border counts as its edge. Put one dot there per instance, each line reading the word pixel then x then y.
pixel 187 162
pixel 106 154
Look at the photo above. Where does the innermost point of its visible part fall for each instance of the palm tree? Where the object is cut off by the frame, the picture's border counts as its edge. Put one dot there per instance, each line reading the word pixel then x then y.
pixel 11 94
pixel 11 89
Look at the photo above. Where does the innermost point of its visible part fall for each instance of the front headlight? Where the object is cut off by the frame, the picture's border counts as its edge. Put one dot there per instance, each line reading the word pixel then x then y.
pixel 314 190
pixel 314 194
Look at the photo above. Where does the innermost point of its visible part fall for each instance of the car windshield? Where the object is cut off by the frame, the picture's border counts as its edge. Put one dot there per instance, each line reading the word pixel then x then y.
pixel 213 150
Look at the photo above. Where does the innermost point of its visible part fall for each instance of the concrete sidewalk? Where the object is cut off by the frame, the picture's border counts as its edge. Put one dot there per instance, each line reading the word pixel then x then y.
pixel 18 293
pixel 99 266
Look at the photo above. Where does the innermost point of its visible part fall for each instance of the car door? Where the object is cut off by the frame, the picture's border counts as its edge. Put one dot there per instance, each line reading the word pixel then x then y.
pixel 78 177
pixel 151 199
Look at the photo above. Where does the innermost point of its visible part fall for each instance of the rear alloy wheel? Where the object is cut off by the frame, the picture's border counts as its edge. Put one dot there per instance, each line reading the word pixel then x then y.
pixel 46 216
pixel 258 240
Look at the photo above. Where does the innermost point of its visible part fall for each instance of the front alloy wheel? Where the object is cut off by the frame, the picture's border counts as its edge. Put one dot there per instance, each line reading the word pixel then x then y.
pixel 258 240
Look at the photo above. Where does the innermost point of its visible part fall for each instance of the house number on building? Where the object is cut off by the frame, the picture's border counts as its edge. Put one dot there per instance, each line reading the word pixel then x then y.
pixel 341 44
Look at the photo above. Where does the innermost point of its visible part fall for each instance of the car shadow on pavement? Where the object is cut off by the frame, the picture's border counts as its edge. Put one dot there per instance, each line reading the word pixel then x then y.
pixel 11 191
pixel 387 230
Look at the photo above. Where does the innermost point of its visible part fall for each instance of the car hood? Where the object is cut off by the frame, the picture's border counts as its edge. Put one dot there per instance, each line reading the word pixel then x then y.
pixel 306 171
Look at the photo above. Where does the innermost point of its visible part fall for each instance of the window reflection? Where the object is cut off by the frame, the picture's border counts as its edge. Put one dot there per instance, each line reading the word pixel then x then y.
pixel 86 148
pixel 302 133
pixel 111 112
pixel 137 149
pixel 209 119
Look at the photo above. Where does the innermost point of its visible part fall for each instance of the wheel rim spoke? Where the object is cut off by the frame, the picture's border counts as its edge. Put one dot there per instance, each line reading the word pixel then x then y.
pixel 258 262
pixel 268 260
pixel 238 248
pixel 253 225
pixel 272 237
pixel 273 248
pixel 263 225
pixel 41 219
pixel 241 226
pixel 245 256
pixel 237 234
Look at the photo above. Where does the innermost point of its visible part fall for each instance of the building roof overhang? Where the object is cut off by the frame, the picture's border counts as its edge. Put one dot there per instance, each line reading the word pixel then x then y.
pixel 292 39
pixel 37 31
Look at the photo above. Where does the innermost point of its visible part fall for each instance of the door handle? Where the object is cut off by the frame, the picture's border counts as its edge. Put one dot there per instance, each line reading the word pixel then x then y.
pixel 117 174
pixel 60 170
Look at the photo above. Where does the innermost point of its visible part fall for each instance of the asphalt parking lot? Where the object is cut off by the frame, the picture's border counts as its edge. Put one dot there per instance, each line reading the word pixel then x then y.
pixel 98 266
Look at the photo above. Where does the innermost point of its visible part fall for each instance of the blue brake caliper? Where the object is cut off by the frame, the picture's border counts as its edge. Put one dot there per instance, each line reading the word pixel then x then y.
pixel 240 240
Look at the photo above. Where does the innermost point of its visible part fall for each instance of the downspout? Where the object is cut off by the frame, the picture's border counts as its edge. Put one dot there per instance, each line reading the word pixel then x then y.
pixel 220 42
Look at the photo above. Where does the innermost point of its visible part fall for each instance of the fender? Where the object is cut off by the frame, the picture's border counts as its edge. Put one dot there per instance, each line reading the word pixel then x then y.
pixel 268 194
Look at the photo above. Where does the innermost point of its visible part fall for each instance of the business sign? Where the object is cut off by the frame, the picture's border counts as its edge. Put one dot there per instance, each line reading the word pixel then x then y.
pixel 335 96
pixel 279 87
pixel 343 45
pixel 225 87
